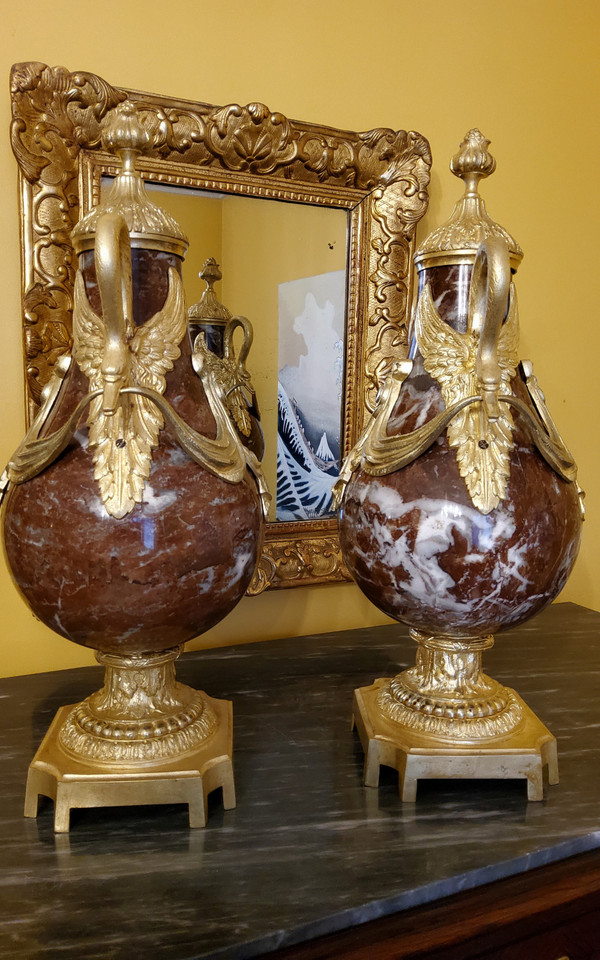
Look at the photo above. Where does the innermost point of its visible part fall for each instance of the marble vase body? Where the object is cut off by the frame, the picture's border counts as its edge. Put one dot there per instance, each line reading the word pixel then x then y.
pixel 418 547
pixel 171 568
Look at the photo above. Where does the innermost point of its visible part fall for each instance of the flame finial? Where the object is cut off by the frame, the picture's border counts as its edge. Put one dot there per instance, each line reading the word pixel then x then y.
pixel 149 226
pixel 458 240
pixel 209 307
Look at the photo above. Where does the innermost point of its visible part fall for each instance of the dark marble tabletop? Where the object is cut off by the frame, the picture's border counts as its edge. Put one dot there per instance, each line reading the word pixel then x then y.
pixel 308 850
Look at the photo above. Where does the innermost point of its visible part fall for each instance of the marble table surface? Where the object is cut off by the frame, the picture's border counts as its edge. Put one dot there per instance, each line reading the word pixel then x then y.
pixel 309 849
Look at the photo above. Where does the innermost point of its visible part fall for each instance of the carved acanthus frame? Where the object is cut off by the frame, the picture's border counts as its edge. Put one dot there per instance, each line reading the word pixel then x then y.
pixel 380 177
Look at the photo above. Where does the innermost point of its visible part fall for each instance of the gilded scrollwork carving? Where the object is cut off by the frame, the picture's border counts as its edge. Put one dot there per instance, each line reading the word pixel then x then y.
pixel 253 139
pixel 379 176
pixel 54 114
pixel 389 289
pixel 287 562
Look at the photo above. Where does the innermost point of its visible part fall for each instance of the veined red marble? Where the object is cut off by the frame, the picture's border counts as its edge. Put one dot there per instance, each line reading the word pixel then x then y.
pixel 421 551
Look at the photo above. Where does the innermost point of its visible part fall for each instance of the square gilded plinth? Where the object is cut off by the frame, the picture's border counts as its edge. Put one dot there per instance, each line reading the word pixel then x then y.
pixel 521 754
pixel 188 778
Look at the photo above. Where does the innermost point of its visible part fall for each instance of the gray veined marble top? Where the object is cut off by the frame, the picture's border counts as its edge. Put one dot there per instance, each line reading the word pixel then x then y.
pixel 308 850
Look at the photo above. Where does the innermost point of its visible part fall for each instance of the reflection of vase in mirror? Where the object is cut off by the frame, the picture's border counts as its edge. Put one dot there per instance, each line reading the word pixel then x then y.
pixel 272 255
pixel 210 320
pixel 141 530
pixel 462 514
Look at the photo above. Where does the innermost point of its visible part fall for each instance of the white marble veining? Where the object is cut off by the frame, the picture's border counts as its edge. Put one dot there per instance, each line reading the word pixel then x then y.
pixel 155 503
pixel 419 558
pixel 419 406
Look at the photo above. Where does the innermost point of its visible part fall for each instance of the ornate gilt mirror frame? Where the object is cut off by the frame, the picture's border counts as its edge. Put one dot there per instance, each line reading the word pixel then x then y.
pixel 380 177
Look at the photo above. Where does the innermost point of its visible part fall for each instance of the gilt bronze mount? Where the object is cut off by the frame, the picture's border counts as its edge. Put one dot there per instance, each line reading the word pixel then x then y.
pixel 143 738
pixel 138 529
pixel 445 719
pixel 460 512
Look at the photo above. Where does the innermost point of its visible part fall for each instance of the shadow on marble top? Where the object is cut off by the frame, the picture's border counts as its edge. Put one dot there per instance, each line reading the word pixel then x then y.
pixel 309 849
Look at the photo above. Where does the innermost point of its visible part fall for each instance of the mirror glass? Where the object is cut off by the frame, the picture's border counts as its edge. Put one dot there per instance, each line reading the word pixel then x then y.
pixel 284 268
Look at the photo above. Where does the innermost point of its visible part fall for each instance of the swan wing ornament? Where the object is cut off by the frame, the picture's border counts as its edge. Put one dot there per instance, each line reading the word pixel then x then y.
pixel 480 434
pixel 124 429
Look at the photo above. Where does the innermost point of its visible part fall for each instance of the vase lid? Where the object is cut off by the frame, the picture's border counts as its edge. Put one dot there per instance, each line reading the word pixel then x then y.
pixel 209 308
pixel 149 225
pixel 458 240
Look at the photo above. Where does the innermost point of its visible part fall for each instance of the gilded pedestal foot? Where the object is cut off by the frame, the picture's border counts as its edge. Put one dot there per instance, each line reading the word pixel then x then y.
pixel 521 753
pixel 188 778
pixel 141 714
pixel 142 739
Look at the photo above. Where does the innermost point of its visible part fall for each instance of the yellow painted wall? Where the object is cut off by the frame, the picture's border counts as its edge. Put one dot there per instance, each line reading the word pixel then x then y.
pixel 525 71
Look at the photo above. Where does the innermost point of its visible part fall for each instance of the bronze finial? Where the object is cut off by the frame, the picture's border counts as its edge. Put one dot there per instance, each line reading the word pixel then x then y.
pixel 149 226
pixel 211 271
pixel 209 307
pixel 458 240
pixel 473 162
pixel 123 130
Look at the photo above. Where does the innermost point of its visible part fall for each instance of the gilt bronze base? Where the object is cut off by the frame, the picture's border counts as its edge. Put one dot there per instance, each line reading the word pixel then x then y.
pixel 521 753
pixel 73 782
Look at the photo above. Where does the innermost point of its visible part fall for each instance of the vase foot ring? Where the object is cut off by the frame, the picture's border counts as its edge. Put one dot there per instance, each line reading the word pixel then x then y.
pixel 189 778
pixel 521 754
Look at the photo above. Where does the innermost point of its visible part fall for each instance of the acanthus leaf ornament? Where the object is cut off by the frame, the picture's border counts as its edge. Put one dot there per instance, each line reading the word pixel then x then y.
pixel 234 382
pixel 210 316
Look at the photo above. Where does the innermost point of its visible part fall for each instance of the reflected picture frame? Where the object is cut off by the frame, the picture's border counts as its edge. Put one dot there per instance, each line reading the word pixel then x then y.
pixel 380 177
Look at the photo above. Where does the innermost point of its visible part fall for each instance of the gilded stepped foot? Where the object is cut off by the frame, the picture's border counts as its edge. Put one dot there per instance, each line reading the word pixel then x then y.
pixel 142 739
pixel 445 719
pixel 141 715
pixel 446 695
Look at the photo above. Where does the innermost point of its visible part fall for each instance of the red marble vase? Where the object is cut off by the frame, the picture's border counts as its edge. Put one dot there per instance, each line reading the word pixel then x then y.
pixel 132 523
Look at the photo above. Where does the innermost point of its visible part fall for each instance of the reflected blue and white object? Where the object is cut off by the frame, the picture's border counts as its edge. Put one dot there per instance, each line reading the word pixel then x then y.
pixel 311 371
